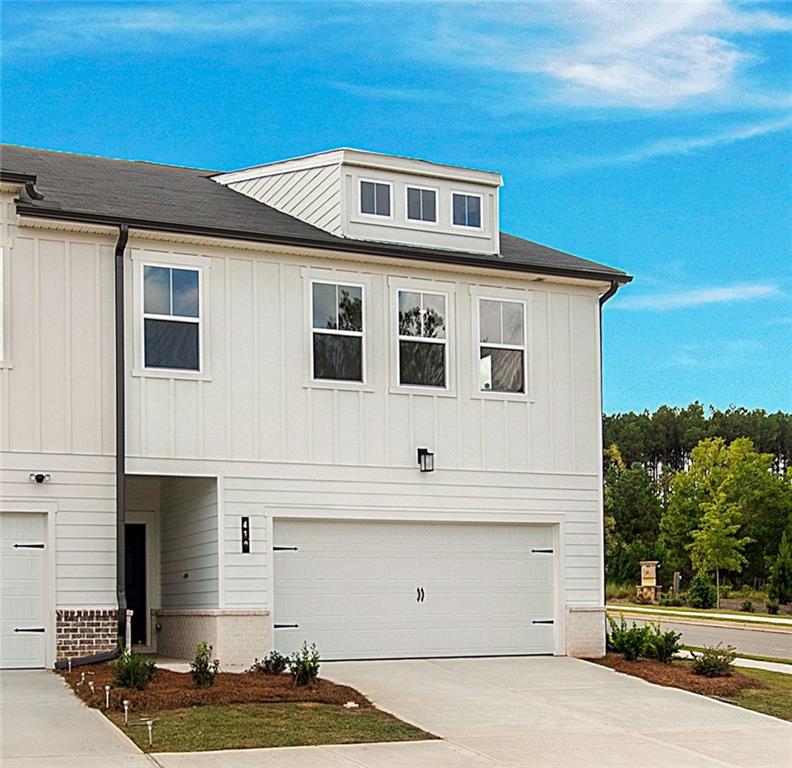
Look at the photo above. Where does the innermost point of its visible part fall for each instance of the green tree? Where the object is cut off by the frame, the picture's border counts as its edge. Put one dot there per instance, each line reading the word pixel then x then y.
pixel 781 572
pixel 716 545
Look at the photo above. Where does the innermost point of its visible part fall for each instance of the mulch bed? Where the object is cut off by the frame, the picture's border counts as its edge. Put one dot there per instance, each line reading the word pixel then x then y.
pixel 176 690
pixel 679 674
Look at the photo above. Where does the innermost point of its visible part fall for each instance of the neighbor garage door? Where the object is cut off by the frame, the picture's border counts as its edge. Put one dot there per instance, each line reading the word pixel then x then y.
pixel 387 590
pixel 22 612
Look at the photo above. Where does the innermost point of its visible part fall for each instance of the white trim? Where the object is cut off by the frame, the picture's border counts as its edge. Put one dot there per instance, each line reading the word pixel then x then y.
pixel 478 344
pixel 141 260
pixel 421 188
pixel 49 598
pixel 391 199
pixel 5 307
pixel 337 383
pixel 467 227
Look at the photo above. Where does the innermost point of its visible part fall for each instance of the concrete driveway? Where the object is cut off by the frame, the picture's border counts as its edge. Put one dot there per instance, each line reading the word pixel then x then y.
pixel 561 712
pixel 43 724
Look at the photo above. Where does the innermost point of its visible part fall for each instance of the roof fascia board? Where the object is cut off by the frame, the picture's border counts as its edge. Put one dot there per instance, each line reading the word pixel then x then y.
pixel 342 246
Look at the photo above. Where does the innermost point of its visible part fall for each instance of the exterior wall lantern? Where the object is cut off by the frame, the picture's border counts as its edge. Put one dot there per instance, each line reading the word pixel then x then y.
pixel 425 460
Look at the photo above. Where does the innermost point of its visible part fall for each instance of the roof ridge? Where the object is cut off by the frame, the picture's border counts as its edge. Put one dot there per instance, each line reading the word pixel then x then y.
pixel 111 159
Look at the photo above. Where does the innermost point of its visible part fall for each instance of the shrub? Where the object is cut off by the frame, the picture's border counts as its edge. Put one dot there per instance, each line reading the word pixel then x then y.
pixel 203 668
pixel 132 670
pixel 629 641
pixel 772 606
pixel 701 593
pixel 272 664
pixel 747 606
pixel 670 600
pixel 304 665
pixel 660 645
pixel 614 590
pixel 714 661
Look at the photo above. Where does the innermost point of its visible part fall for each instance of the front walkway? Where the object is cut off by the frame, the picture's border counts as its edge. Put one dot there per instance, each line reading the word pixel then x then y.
pixel 43 724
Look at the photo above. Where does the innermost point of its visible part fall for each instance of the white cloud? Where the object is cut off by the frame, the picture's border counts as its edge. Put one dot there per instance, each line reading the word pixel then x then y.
pixel 698 297
pixel 679 145
pixel 714 354
pixel 650 55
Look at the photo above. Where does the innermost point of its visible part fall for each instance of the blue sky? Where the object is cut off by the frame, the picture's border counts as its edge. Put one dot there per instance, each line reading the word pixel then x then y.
pixel 651 136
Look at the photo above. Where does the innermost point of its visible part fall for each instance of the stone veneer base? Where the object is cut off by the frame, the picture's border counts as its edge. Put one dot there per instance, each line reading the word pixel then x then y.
pixel 236 637
pixel 85 632
pixel 585 631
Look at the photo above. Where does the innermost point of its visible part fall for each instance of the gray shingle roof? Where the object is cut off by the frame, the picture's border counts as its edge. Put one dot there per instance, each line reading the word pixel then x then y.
pixel 172 198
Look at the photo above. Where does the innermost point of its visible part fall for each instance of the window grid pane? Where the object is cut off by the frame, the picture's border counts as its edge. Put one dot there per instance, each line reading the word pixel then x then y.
pixel 501 346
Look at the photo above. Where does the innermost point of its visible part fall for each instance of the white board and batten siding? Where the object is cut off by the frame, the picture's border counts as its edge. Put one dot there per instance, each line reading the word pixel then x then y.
pixel 57 400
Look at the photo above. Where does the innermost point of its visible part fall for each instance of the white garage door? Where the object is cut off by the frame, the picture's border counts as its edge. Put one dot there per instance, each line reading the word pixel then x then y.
pixel 22 612
pixel 387 590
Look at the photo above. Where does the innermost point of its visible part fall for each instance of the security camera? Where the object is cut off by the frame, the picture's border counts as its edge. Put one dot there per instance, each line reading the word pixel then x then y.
pixel 39 477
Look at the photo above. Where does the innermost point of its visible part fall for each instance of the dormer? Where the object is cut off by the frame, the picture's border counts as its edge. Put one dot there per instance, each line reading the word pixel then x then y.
pixel 369 196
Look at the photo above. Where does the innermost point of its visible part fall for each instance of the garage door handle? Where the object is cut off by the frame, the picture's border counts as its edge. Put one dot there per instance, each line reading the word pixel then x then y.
pixel 421 594
pixel 285 626
pixel 542 551
pixel 33 629
pixel 284 549
pixel 543 621
pixel 28 546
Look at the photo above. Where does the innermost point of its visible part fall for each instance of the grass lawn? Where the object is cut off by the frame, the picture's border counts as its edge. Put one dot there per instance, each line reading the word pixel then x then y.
pixel 669 613
pixel 774 699
pixel 243 726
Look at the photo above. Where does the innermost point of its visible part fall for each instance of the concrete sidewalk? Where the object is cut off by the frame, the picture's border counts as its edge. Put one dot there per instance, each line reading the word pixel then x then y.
pixel 777 621
pixel 42 724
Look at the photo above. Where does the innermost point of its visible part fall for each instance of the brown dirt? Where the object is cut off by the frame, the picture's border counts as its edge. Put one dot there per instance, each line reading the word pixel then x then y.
pixel 679 674
pixel 176 690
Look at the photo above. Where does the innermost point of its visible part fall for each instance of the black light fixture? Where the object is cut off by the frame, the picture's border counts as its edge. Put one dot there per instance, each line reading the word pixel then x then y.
pixel 425 460
pixel 39 477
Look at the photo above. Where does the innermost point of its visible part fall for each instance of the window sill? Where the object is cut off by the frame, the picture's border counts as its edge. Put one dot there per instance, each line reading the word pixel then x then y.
pixel 517 397
pixel 349 386
pixel 161 373
pixel 400 389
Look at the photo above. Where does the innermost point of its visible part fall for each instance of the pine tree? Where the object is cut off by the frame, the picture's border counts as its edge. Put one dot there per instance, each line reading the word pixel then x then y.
pixel 781 572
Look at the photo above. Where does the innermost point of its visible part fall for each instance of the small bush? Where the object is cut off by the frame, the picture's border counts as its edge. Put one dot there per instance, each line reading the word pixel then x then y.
pixel 701 593
pixel 272 664
pixel 670 600
pixel 660 645
pixel 304 665
pixel 772 606
pixel 132 670
pixel 616 591
pixel 204 668
pixel 714 661
pixel 747 606
pixel 629 641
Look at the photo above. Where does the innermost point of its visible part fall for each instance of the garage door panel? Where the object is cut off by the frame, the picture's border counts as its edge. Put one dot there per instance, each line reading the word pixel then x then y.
pixel 353 588
pixel 22 583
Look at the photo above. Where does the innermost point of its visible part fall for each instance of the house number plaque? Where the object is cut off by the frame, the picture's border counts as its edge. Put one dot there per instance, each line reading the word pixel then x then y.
pixel 245 535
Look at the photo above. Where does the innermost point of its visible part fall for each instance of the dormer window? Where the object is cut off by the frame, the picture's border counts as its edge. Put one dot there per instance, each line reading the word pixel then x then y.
pixel 375 198
pixel 421 204
pixel 467 210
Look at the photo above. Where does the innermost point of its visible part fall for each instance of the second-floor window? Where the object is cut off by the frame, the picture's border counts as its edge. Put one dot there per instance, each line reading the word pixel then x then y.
pixel 501 346
pixel 171 318
pixel 375 198
pixel 422 339
pixel 421 204
pixel 466 210
pixel 337 331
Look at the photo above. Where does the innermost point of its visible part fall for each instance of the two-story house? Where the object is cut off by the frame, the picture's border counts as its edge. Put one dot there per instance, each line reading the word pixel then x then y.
pixel 321 400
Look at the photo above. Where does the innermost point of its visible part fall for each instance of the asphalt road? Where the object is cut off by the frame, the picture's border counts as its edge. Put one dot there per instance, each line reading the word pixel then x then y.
pixel 761 643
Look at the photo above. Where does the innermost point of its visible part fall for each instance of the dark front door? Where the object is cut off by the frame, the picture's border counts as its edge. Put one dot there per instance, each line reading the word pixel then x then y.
pixel 136 579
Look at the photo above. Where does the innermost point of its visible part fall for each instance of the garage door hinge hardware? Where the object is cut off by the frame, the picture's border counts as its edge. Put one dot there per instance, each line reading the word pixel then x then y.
pixel 285 626
pixel 34 629
pixel 542 551
pixel 284 549
pixel 543 621
pixel 28 546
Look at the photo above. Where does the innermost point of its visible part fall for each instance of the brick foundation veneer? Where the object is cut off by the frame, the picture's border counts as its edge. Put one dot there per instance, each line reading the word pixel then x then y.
pixel 86 632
